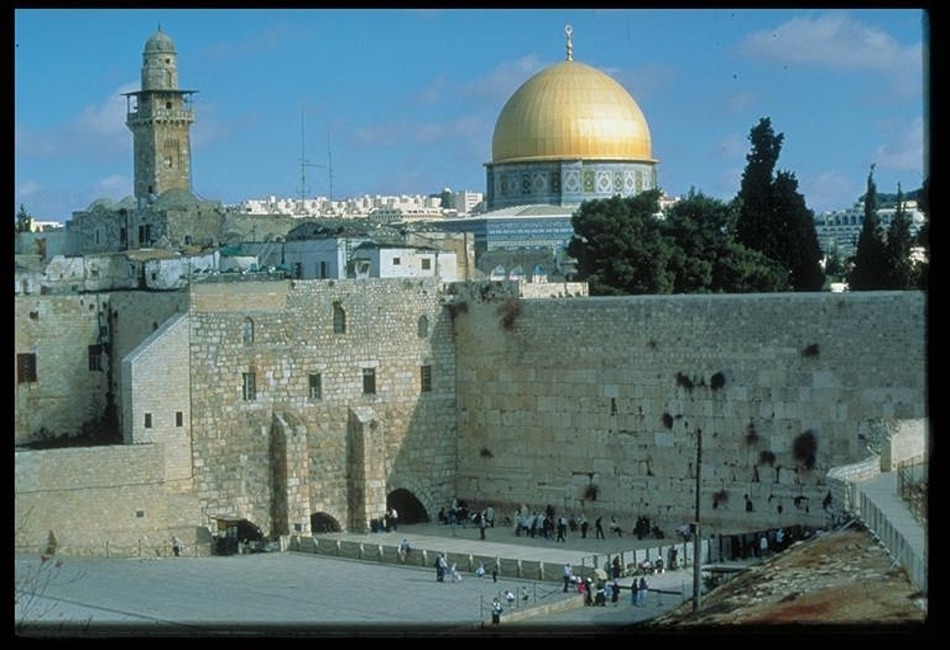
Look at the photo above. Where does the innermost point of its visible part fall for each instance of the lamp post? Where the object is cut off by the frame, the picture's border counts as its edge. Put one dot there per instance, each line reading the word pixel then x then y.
pixel 697 540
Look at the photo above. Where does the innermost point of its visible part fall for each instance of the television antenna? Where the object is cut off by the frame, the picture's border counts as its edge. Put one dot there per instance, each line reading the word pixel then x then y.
pixel 305 163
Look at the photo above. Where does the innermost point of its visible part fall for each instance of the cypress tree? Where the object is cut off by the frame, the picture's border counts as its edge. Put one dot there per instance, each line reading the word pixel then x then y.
pixel 869 270
pixel 899 267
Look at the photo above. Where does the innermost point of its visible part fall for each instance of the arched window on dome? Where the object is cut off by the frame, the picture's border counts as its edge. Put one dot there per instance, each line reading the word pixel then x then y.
pixel 498 273
pixel 516 273
pixel 248 331
pixel 423 327
pixel 538 274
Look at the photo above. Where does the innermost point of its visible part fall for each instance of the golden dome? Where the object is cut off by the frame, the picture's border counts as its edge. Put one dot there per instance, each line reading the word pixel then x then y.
pixel 571 111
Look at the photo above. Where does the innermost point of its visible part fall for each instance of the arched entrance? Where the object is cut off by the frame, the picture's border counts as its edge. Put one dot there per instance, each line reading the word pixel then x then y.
pixel 237 535
pixel 410 509
pixel 321 522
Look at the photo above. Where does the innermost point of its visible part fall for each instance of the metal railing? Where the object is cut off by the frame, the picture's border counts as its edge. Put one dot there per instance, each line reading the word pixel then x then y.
pixel 912 486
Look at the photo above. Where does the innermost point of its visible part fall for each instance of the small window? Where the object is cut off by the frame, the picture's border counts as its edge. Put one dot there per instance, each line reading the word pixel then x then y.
pixel 95 357
pixel 324 270
pixel 148 420
pixel 26 368
pixel 248 333
pixel 339 319
pixel 423 327
pixel 396 261
pixel 425 375
pixel 369 381
pixel 179 418
pixel 249 387
pixel 426 264
pixel 316 386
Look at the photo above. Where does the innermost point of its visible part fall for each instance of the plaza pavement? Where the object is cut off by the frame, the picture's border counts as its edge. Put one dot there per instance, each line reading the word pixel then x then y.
pixel 303 594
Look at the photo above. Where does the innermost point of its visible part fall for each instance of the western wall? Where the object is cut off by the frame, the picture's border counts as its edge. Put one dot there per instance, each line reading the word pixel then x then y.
pixel 592 405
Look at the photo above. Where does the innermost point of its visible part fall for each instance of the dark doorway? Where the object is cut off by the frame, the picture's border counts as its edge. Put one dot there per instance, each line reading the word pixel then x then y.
pixel 410 509
pixel 321 522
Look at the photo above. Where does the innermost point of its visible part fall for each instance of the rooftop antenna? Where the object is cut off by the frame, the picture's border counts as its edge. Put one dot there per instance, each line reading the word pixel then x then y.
pixel 304 163
pixel 569 31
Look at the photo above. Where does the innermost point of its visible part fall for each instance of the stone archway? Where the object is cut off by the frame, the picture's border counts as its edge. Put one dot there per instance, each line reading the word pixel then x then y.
pixel 410 509
pixel 321 522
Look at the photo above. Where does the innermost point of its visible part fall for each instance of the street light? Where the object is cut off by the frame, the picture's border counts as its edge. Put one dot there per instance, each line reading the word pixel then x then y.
pixel 697 542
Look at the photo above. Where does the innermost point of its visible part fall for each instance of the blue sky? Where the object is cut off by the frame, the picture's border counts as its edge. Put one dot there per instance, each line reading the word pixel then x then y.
pixel 405 101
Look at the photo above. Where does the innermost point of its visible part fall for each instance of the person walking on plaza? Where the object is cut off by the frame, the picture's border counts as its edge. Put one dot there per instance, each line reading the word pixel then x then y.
pixel 642 588
pixel 583 527
pixel 599 528
pixel 568 574
pixel 496 610
pixel 482 524
pixel 562 529
pixel 176 546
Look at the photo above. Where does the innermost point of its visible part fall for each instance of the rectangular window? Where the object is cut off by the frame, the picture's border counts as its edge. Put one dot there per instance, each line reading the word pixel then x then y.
pixel 179 418
pixel 316 387
pixel 369 381
pixel 426 264
pixel 26 368
pixel 339 319
pixel 425 375
pixel 95 357
pixel 324 270
pixel 396 261
pixel 250 387
pixel 148 420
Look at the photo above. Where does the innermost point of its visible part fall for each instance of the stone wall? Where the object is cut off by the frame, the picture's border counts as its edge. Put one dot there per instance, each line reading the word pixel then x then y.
pixel 595 405
pixel 393 327
pixel 99 500
pixel 66 395
pixel 592 404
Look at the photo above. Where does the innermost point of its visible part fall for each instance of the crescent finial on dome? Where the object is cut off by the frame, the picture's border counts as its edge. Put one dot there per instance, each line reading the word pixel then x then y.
pixel 568 31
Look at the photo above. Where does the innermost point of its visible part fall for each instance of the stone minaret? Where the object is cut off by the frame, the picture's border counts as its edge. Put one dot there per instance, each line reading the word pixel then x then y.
pixel 160 117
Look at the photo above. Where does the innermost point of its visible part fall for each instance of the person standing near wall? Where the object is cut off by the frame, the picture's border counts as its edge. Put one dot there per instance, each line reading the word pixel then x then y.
pixel 599 528
pixel 568 574
pixel 176 546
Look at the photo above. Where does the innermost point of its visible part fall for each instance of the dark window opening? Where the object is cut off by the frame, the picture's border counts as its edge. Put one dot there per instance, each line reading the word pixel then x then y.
pixel 369 381
pixel 26 368
pixel 148 420
pixel 179 418
pixel 95 357
pixel 425 375
pixel 316 388
pixel 249 391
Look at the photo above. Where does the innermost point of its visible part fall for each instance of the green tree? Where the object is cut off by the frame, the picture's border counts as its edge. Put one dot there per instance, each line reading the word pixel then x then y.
pixel 869 272
pixel 898 263
pixel 800 251
pixel 24 220
pixel 619 246
pixel 773 217
pixel 923 236
pixel 706 256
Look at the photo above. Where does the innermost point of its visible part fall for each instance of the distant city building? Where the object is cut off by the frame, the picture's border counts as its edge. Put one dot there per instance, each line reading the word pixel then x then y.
pixel 407 207
pixel 839 230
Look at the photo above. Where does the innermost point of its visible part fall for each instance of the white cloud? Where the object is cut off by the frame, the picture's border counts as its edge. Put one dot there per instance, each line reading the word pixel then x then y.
pixel 502 82
pixel 27 189
pixel 432 92
pixel 644 80
pixel 739 102
pixel 905 150
pixel 829 190
pixel 114 183
pixel 838 41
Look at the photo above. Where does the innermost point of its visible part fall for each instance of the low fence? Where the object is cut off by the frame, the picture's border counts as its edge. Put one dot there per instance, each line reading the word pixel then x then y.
pixel 912 487
pixel 895 542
